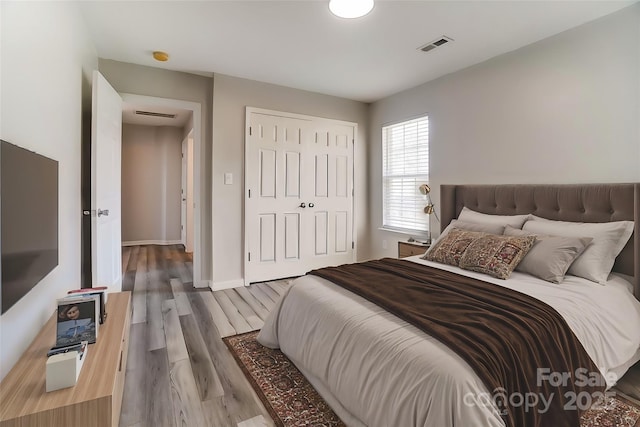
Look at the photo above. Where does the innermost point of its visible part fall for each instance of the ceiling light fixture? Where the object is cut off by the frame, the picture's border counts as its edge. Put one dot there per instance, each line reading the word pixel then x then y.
pixel 350 8
pixel 160 56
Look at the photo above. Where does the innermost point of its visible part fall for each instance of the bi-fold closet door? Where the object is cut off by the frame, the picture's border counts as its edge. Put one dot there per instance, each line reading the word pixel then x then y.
pixel 298 194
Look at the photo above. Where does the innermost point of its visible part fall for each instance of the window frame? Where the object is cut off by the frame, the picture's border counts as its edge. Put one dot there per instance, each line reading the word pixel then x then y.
pixel 417 200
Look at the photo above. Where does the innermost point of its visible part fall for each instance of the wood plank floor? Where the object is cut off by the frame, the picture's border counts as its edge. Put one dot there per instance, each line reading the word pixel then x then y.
pixel 179 371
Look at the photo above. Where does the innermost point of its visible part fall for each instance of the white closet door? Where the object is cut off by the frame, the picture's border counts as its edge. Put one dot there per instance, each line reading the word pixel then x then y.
pixel 273 216
pixel 330 181
pixel 298 202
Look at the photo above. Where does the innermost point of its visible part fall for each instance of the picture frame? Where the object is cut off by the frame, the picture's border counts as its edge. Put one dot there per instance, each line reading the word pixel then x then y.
pixel 77 320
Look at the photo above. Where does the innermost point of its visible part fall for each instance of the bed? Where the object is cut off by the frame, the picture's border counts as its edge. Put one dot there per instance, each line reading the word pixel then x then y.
pixel 376 369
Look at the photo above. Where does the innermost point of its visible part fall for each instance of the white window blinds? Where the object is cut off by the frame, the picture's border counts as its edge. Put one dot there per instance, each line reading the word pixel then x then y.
pixel 405 166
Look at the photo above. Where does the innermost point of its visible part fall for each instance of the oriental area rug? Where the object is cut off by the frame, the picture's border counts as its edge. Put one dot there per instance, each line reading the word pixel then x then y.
pixel 292 401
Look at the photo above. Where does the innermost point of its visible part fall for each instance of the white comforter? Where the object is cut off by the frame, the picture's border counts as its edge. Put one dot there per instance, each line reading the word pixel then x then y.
pixel 377 370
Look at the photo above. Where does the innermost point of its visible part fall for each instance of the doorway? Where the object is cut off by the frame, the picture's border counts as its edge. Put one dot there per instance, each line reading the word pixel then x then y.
pixel 87 191
pixel 153 174
pixel 153 105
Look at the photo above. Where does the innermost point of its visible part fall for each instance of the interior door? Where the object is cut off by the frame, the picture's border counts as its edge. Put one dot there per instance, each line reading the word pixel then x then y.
pixel 298 206
pixel 106 146
pixel 273 222
pixel 183 196
pixel 190 202
pixel 330 179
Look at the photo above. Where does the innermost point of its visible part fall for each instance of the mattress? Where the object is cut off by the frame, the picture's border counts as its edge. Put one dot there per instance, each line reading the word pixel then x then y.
pixel 377 370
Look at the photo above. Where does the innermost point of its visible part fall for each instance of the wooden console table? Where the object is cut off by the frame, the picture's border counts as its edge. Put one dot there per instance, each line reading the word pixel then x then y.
pixel 97 397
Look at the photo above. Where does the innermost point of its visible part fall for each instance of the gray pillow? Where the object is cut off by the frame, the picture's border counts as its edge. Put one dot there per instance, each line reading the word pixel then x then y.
pixel 550 256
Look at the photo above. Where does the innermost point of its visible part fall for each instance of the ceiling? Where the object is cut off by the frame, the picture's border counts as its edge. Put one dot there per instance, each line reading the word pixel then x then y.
pixel 300 44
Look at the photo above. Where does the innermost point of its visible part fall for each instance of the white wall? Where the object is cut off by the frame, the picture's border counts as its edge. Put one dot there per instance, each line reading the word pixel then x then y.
pixel 231 96
pixel 563 110
pixel 47 60
pixel 151 181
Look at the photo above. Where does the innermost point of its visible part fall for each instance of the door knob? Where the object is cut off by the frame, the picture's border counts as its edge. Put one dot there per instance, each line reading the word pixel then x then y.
pixel 303 205
pixel 104 212
pixel 311 205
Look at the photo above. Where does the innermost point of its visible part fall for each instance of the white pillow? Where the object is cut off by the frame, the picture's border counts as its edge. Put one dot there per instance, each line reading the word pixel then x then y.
pixel 597 260
pixel 473 226
pixel 516 221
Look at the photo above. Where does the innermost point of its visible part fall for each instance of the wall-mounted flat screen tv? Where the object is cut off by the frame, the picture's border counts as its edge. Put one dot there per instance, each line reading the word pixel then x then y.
pixel 29 220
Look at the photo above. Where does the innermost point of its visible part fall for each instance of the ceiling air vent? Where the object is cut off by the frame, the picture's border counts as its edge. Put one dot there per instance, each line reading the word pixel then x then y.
pixel 436 43
pixel 152 114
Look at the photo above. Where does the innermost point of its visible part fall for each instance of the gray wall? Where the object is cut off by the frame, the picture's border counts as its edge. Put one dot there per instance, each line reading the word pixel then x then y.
pixel 231 96
pixel 148 81
pixel 151 181
pixel 563 110
pixel 47 61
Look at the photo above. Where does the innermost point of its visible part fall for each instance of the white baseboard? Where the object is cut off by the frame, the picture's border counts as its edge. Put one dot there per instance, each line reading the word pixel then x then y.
pixel 202 284
pixel 152 242
pixel 217 286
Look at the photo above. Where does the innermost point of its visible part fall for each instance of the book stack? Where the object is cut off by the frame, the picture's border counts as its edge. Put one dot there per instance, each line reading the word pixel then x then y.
pixel 80 314
pixel 78 319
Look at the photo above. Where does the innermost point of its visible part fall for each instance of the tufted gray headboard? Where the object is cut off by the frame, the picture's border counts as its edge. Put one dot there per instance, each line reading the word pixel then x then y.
pixel 572 202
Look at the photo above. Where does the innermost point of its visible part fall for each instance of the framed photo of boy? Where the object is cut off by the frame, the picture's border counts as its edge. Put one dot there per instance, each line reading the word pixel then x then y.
pixel 77 320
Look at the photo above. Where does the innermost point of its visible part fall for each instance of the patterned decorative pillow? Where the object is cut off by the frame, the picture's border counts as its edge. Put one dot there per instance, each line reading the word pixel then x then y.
pixel 494 255
pixel 469 226
pixel 450 248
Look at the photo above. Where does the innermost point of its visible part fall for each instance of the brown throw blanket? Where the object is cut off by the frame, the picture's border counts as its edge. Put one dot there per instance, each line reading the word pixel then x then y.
pixel 504 335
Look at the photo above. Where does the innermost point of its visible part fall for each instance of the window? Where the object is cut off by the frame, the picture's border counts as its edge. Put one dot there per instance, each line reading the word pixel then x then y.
pixel 405 166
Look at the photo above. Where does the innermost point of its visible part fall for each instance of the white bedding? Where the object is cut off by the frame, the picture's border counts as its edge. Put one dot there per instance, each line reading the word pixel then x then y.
pixel 377 370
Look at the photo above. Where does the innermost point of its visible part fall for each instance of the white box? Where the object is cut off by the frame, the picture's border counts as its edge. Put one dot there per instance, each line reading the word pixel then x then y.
pixel 63 369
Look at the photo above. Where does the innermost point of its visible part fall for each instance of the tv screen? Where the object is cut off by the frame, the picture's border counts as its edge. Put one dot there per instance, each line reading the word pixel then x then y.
pixel 29 220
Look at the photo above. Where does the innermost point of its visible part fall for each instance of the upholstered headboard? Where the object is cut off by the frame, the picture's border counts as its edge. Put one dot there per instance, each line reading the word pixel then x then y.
pixel 573 202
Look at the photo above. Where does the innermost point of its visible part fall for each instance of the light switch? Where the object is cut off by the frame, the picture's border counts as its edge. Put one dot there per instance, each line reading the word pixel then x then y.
pixel 228 178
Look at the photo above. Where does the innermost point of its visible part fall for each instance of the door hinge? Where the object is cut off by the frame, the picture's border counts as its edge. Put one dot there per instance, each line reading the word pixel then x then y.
pixel 181 227
pixel 353 245
pixel 250 131
pixel 249 193
pixel 249 256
